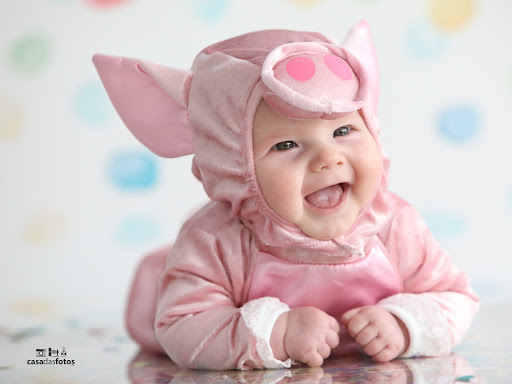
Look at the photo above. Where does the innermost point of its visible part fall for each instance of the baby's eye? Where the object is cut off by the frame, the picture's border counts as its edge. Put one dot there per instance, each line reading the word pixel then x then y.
pixel 284 145
pixel 342 131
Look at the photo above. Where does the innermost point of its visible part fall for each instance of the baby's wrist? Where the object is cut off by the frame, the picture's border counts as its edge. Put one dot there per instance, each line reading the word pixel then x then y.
pixel 405 334
pixel 277 337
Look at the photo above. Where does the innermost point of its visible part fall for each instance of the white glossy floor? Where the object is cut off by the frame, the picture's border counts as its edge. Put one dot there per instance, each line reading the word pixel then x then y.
pixel 106 355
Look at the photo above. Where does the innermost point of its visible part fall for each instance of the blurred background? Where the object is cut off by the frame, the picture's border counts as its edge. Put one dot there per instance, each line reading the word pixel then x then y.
pixel 81 201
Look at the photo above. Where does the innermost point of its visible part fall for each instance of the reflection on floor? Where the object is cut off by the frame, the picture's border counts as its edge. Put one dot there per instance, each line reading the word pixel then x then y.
pixel 341 370
pixel 105 355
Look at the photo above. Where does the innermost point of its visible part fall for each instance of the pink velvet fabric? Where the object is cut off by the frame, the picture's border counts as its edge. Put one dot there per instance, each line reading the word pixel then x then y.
pixel 146 107
pixel 209 272
pixel 333 288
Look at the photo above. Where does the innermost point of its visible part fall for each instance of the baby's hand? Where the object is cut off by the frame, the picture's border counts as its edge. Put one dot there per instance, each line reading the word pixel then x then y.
pixel 380 334
pixel 305 334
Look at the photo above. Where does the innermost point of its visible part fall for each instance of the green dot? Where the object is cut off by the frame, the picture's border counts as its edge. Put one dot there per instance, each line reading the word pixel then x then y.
pixel 29 54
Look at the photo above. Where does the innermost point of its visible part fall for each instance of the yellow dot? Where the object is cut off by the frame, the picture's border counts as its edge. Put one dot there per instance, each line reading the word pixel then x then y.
pixel 12 119
pixel 50 376
pixel 306 2
pixel 37 307
pixel 45 228
pixel 451 14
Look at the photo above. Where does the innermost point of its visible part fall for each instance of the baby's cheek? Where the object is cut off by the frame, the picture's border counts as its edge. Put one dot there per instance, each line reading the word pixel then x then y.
pixel 371 163
pixel 273 188
pixel 369 177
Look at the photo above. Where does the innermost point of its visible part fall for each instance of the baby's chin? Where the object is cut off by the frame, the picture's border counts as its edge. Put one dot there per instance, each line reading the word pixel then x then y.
pixel 325 233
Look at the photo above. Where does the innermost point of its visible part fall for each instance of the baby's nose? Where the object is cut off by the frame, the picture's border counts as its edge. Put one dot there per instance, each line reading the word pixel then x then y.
pixel 326 159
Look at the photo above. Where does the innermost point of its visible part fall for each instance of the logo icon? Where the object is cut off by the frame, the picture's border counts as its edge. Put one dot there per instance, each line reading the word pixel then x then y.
pixel 53 352
pixel 51 357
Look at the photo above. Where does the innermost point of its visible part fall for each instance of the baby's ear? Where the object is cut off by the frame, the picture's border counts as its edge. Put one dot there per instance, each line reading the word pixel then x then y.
pixel 359 41
pixel 152 101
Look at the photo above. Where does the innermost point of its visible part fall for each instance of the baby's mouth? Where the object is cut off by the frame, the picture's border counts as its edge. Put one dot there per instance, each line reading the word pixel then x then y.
pixel 327 197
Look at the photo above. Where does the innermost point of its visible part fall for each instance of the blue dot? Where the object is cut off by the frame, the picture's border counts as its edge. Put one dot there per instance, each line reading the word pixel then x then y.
pixel 444 224
pixel 133 170
pixel 425 42
pixel 209 10
pixel 458 124
pixel 138 229
pixel 91 104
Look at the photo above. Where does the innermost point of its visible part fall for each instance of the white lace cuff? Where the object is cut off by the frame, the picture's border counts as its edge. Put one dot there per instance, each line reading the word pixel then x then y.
pixel 428 327
pixel 259 316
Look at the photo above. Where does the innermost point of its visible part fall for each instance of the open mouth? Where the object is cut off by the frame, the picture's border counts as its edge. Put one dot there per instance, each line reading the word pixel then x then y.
pixel 328 197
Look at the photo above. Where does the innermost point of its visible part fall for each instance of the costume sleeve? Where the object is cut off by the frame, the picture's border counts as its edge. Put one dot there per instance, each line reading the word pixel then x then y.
pixel 437 304
pixel 202 320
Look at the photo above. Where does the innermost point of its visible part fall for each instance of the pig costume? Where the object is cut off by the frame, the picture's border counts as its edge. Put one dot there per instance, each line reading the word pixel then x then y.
pixel 211 300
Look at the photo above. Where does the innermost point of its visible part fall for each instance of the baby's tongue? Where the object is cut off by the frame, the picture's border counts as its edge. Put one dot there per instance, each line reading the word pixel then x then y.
pixel 327 197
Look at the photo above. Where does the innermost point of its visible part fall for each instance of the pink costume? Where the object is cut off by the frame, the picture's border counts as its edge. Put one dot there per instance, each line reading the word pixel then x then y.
pixel 236 265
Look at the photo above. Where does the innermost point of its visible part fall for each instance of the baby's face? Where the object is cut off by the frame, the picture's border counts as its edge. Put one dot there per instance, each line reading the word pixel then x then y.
pixel 317 174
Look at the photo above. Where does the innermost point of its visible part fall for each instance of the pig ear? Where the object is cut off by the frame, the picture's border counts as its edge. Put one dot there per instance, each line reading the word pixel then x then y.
pixel 152 102
pixel 359 41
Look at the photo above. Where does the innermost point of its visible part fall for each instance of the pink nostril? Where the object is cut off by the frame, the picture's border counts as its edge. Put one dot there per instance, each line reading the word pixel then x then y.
pixel 338 66
pixel 327 167
pixel 300 68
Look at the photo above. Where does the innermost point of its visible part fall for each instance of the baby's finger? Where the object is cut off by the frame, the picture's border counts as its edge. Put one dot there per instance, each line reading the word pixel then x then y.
pixel 374 347
pixel 314 360
pixel 366 336
pixel 356 325
pixel 332 339
pixel 384 356
pixel 334 325
pixel 349 315
pixel 324 351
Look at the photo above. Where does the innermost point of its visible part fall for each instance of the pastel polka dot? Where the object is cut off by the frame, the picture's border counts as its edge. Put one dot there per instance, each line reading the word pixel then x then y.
pixel 445 224
pixel 458 124
pixel 138 229
pixel 424 42
pixel 29 54
pixel 12 119
pixel 37 307
pixel 23 333
pixel 306 2
pixel 133 170
pixel 338 66
pixel 45 228
pixel 300 68
pixel 91 104
pixel 451 14
pixel 209 10
pixel 106 3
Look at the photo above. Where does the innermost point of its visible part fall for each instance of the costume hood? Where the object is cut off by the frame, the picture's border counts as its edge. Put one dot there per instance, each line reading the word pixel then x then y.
pixel 209 111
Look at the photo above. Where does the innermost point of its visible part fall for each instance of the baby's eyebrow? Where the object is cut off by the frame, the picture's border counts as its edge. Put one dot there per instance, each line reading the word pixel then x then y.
pixel 279 134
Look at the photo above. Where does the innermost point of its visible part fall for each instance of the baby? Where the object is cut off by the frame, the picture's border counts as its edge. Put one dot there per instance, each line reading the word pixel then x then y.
pixel 302 252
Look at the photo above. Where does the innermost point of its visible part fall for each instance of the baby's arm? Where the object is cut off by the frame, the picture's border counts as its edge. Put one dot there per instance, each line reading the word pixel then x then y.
pixel 437 304
pixel 200 320
pixel 381 335
pixel 304 334
pixel 204 320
